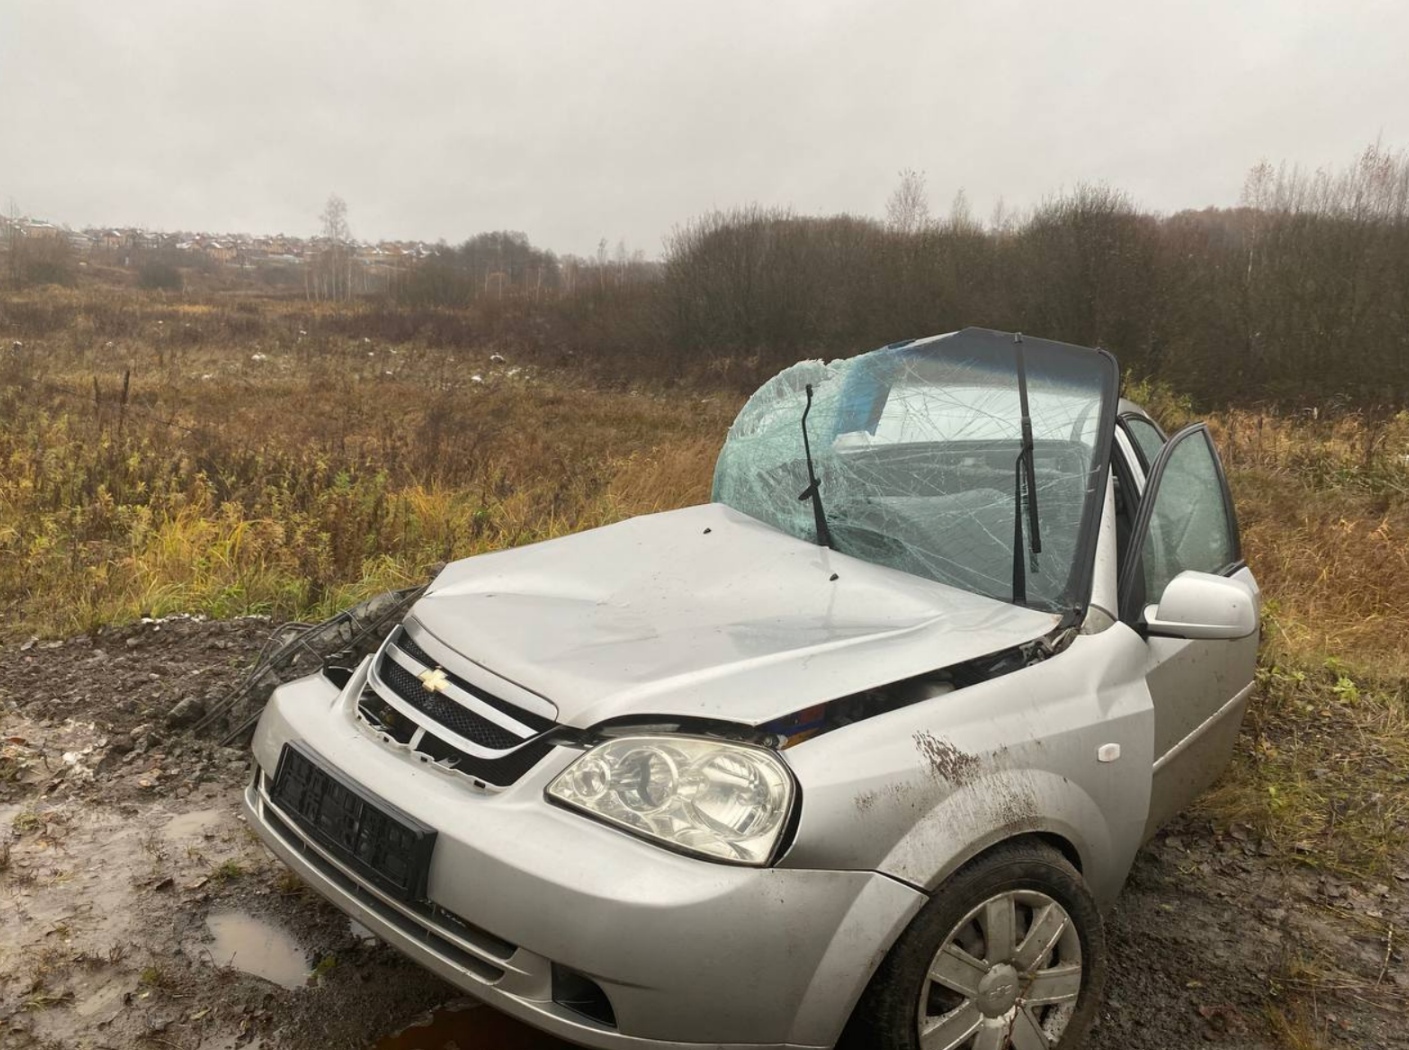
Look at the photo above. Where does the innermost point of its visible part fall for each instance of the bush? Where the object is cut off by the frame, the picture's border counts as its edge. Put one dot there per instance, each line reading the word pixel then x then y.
pixel 157 275
pixel 46 260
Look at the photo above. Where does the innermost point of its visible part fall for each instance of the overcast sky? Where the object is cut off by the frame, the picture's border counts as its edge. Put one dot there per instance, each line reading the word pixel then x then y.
pixel 583 119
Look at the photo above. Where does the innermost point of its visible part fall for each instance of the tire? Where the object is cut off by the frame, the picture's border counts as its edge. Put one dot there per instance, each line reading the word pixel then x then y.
pixel 982 999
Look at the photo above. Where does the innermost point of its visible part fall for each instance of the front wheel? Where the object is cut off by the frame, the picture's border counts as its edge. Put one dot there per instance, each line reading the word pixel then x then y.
pixel 1009 954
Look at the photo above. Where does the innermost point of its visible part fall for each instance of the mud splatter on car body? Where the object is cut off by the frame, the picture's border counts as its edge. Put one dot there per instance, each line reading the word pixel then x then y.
pixel 944 760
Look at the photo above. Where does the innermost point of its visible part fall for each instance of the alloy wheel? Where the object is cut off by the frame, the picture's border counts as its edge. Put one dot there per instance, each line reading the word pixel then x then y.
pixel 1007 977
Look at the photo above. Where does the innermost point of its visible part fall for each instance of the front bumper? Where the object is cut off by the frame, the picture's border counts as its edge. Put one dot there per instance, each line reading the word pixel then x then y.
pixel 689 953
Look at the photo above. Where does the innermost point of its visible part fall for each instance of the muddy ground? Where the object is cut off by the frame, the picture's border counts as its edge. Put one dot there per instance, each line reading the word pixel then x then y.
pixel 137 910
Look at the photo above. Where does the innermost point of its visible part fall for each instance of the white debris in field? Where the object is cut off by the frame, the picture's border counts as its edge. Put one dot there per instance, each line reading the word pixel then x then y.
pixel 497 359
pixel 476 378
pixel 259 357
pixel 73 760
pixel 25 744
pixel 181 617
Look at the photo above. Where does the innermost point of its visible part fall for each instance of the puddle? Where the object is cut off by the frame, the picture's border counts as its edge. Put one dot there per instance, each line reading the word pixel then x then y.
pixel 185 825
pixel 258 948
pixel 463 1025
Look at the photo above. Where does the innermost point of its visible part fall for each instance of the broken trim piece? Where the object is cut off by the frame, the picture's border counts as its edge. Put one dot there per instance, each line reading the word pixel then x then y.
pixel 817 719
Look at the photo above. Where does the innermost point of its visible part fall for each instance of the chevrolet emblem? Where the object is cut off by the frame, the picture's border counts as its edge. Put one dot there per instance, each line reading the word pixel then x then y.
pixel 434 681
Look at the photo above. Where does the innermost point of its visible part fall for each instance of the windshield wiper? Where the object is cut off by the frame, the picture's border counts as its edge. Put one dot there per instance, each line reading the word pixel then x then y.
pixel 814 487
pixel 1024 485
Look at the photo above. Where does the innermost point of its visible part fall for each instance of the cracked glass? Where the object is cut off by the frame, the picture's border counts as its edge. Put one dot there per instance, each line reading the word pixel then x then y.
pixel 915 446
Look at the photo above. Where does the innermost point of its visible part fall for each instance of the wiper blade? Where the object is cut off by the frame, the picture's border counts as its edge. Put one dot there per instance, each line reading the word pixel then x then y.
pixel 814 486
pixel 1024 488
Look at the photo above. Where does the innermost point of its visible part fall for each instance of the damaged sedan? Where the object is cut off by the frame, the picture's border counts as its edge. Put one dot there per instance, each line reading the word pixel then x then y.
pixel 857 753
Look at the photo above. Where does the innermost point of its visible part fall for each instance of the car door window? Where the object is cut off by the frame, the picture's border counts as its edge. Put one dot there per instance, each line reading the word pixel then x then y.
pixel 1147 437
pixel 1186 520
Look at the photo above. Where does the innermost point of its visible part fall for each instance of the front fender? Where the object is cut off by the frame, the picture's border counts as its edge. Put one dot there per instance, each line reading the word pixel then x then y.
pixel 917 791
pixel 1003 805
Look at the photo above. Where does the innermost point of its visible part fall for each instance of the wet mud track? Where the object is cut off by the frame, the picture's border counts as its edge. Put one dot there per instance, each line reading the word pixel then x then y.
pixel 136 909
pixel 467 1026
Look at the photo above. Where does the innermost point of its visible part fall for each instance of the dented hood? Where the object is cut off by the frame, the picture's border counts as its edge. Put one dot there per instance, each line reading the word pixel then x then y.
pixel 705 612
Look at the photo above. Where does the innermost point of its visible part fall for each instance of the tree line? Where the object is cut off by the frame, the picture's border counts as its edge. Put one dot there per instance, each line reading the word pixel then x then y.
pixel 504 263
pixel 1297 296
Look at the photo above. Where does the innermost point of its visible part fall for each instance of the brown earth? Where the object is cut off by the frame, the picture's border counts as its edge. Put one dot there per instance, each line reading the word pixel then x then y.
pixel 133 900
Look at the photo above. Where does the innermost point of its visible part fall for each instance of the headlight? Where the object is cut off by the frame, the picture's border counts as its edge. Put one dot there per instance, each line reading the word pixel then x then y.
pixel 712 797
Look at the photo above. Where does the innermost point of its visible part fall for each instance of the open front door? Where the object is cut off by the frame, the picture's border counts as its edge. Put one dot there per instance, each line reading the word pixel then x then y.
pixel 1199 686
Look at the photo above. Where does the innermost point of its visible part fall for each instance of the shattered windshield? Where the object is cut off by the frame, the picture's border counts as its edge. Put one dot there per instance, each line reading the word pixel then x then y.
pixel 915 447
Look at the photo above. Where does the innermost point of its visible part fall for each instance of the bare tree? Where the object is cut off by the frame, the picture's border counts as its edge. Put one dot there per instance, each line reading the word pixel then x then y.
pixel 961 215
pixel 12 236
pixel 331 273
pixel 908 210
pixel 1002 219
pixel 334 220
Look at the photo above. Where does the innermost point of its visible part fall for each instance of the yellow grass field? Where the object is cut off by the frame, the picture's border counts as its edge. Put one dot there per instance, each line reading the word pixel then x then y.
pixel 247 455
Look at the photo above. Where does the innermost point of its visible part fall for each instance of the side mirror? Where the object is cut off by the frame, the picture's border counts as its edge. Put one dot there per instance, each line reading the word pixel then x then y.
pixel 1201 606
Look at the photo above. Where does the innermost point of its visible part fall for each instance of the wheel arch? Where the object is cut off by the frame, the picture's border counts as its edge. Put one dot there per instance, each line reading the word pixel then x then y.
pixel 1061 844
pixel 1057 840
pixel 1015 804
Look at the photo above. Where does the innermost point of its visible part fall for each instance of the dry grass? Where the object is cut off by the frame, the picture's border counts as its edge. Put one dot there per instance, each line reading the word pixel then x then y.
pixel 249 461
pixel 1293 1029
pixel 242 455
pixel 1323 501
pixel 1320 773
pixel 1324 507
pixel 1325 514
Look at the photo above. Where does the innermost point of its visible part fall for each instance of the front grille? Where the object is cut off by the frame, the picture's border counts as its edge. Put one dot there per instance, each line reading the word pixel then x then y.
pixel 457 728
pixel 447 712
pixel 408 645
pixel 500 771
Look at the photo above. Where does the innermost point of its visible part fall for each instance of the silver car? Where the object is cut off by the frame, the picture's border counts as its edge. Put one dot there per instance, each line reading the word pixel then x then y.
pixel 856 753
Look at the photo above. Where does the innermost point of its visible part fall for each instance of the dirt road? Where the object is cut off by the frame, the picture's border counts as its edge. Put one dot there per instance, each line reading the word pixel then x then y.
pixel 137 910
